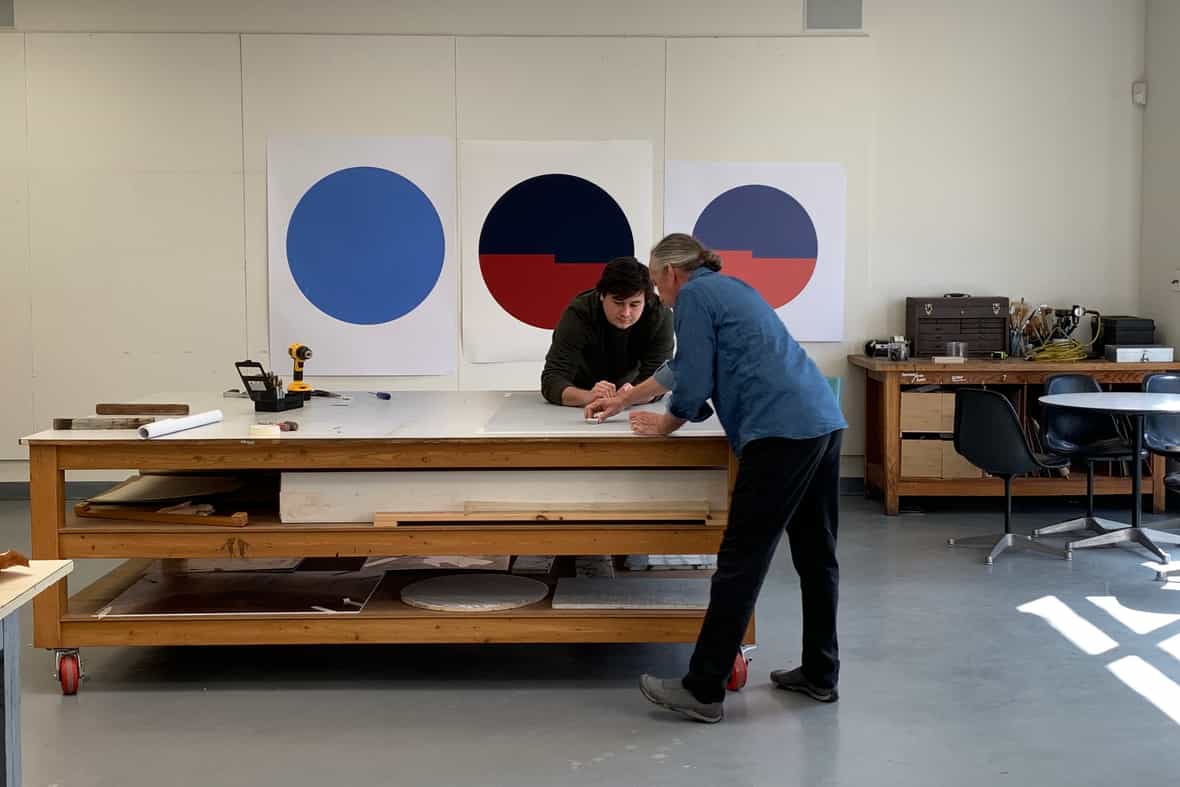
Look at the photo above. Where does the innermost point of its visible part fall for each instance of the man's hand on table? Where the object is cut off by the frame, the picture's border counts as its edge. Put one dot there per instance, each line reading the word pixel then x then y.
pixel 604 407
pixel 651 424
pixel 603 389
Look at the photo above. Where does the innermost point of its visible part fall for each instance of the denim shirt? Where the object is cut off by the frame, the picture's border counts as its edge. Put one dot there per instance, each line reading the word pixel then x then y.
pixel 732 348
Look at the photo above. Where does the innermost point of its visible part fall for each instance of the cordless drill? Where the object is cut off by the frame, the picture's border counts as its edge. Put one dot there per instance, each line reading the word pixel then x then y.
pixel 299 354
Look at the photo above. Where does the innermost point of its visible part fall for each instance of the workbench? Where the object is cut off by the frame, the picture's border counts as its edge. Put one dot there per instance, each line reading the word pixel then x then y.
pixel 412 430
pixel 886 381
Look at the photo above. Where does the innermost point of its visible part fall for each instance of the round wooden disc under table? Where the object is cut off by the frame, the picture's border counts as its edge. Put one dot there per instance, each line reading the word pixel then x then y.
pixel 474 592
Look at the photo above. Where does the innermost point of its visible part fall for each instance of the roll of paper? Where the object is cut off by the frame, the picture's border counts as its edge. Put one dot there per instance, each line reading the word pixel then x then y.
pixel 171 425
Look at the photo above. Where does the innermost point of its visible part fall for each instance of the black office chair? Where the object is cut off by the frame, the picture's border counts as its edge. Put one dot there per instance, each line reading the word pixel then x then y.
pixel 1091 437
pixel 988 434
pixel 1161 433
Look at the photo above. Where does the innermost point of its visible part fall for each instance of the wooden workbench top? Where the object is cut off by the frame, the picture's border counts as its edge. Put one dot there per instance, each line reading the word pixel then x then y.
pixel 925 365
pixel 406 415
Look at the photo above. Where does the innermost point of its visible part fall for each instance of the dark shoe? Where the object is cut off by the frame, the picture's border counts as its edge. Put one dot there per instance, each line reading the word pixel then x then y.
pixel 672 695
pixel 795 680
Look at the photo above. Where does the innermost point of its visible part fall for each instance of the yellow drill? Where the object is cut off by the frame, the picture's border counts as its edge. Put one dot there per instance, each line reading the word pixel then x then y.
pixel 299 354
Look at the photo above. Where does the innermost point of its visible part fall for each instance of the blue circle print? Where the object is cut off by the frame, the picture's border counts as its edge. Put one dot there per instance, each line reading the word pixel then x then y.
pixel 365 245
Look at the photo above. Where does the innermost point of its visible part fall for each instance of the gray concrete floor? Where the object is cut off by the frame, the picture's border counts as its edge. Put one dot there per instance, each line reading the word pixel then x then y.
pixel 945 682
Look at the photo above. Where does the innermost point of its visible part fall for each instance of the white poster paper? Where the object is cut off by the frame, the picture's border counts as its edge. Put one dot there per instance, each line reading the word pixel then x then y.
pixel 362 253
pixel 778 226
pixel 540 219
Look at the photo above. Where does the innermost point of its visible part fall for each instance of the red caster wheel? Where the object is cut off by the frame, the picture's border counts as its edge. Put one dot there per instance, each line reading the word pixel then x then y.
pixel 741 672
pixel 69 672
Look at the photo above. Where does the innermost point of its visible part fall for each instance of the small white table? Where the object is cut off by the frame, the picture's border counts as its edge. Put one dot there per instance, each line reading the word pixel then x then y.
pixel 1137 405
pixel 18 586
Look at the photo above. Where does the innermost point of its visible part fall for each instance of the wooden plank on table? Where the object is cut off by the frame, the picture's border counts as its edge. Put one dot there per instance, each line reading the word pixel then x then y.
pixel 142 408
pixel 129 513
pixel 103 422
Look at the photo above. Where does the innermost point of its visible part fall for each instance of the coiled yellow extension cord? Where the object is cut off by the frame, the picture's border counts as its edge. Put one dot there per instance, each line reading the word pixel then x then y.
pixel 1064 350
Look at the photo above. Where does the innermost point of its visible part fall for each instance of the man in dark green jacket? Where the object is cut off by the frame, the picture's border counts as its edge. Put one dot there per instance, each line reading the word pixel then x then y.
pixel 609 338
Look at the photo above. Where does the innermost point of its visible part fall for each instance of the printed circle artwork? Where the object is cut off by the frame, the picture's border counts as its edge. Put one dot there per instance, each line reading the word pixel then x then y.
pixel 545 240
pixel 764 237
pixel 365 245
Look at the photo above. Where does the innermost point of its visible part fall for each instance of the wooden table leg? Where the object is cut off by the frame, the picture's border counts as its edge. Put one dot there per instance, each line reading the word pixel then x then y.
pixel 47 498
pixel 1159 492
pixel 891 439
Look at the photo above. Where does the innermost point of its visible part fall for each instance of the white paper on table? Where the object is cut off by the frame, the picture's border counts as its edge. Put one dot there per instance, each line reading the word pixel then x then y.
pixel 172 425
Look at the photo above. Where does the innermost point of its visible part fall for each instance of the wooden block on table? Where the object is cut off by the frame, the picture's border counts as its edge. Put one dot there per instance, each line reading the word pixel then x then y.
pixel 12 558
pixel 102 423
pixel 131 408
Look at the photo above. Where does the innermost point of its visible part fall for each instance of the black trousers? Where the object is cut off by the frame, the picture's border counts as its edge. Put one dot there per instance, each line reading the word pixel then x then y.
pixel 781 484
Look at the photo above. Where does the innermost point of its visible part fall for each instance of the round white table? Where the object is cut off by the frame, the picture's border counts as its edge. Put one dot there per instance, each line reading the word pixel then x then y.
pixel 1137 405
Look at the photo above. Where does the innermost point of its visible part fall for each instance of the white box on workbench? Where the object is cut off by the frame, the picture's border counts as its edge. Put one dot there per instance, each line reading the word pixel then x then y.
pixel 1130 353
pixel 319 497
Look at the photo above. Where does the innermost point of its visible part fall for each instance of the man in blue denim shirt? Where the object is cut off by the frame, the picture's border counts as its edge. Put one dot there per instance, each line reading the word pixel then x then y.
pixel 785 426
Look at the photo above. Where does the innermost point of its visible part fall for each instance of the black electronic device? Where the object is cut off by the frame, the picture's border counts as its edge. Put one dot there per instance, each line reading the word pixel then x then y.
pixel 265 389
pixel 1119 329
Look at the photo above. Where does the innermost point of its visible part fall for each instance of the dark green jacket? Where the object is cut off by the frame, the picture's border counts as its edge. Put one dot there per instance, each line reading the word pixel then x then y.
pixel 586 348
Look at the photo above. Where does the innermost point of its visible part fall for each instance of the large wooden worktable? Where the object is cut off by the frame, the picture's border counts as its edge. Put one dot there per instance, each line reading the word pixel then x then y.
pixel 411 431
pixel 883 432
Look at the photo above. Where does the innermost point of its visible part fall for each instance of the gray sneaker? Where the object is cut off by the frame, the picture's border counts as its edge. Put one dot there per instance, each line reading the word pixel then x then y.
pixel 795 680
pixel 672 695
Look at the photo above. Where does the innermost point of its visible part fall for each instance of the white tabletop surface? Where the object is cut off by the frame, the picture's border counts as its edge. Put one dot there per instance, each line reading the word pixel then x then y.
pixel 1117 402
pixel 19 585
pixel 406 415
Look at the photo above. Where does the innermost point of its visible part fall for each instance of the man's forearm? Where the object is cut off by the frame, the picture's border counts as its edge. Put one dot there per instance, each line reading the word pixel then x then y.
pixel 671 423
pixel 572 396
pixel 643 393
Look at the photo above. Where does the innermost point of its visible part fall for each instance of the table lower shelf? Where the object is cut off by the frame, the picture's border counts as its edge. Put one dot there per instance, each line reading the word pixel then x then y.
pixel 267 537
pixel 385 619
